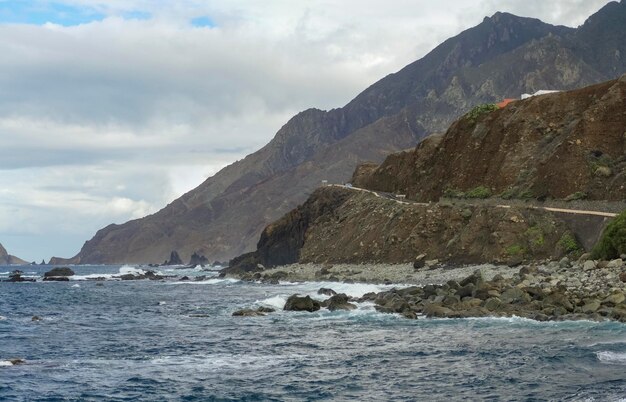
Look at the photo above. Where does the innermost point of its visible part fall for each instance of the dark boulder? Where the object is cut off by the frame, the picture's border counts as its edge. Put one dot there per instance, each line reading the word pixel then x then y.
pixel 299 303
pixel 184 278
pixel 248 312
pixel 339 302
pixel 326 291
pixel 16 276
pixel 59 271
pixel 420 261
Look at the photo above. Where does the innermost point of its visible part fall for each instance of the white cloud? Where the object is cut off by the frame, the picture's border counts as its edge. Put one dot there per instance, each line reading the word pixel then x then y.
pixel 110 120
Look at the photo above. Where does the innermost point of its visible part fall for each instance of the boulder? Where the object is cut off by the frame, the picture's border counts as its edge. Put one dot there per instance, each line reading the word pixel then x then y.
pixel 475 279
pixel 622 276
pixel 589 265
pixel 339 302
pixel 436 310
pixel 59 271
pixel 514 296
pixel 299 303
pixel 16 276
pixel 420 261
pixel 247 312
pixel 614 298
pixel 591 307
pixel 326 291
pixel 617 263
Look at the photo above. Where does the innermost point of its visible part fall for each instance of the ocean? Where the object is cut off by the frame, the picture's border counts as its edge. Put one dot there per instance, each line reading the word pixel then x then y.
pixel 178 341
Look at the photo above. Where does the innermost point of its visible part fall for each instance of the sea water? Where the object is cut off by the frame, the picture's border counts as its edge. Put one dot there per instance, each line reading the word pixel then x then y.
pixel 176 340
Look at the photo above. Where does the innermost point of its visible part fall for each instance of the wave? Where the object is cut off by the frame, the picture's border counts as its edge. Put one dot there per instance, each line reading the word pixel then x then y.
pixel 214 281
pixel 611 357
pixel 4 363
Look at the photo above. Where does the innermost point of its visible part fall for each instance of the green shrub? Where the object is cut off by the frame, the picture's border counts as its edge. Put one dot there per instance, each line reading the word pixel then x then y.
pixel 453 193
pixel 479 192
pixel 515 249
pixel 569 243
pixel 535 236
pixel 613 241
pixel 480 110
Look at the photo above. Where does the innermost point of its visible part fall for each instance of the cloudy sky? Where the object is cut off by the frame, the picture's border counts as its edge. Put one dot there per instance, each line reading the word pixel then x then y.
pixel 110 109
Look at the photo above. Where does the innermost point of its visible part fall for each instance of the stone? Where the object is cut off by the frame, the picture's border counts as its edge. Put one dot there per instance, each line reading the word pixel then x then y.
pixel 589 265
pixel 16 362
pixel 591 307
pixel 326 291
pixel 514 296
pixel 299 303
pixel 56 278
pixel 420 261
pixel 466 290
pixel 622 276
pixel 603 171
pixel 246 312
pixel 339 302
pixel 584 257
pixel 565 263
pixel 174 259
pixel 475 279
pixel 59 271
pixel 617 263
pixel 614 298
pixel 36 318
pixel 493 304
pixel 431 263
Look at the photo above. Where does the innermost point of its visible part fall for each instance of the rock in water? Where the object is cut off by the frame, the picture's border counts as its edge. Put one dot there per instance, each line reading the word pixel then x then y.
pixel 299 303
pixel 198 259
pixel 174 259
pixel 326 291
pixel 339 302
pixel 59 271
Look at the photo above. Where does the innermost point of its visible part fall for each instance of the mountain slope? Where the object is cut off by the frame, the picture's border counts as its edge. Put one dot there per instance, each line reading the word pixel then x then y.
pixel 7 259
pixel 553 145
pixel 503 56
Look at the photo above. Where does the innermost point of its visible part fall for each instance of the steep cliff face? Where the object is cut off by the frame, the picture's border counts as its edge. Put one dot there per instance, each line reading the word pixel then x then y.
pixel 503 56
pixel 570 144
pixel 7 259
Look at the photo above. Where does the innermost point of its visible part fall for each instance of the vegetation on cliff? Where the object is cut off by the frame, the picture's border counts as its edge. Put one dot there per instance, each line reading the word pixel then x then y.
pixel 612 244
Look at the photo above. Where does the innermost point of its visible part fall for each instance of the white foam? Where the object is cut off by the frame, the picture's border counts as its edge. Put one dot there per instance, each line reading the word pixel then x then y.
pixel 76 286
pixel 214 281
pixel 277 302
pixel 162 303
pixel 90 276
pixel 127 269
pixel 5 363
pixel 611 357
pixel 2 318
pixel 350 289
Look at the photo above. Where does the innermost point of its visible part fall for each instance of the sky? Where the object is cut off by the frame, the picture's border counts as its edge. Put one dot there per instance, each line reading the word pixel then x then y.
pixel 110 110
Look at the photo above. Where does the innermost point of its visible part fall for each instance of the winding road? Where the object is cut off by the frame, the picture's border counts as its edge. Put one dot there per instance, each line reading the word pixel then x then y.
pixel 393 197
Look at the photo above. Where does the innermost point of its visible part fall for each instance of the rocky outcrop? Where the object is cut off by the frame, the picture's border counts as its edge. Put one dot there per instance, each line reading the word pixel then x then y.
pixel 174 259
pixel 197 259
pixel 8 259
pixel 16 276
pixel 59 274
pixel 568 145
pixel 503 56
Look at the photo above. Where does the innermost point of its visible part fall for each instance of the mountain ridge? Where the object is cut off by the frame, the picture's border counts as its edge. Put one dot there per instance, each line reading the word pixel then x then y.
pixel 224 215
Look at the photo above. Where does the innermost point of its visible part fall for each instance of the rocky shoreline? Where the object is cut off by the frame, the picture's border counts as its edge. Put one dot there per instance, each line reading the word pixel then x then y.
pixel 549 291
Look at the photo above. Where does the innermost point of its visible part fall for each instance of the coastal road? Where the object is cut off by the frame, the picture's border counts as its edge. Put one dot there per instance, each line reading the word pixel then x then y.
pixel 393 197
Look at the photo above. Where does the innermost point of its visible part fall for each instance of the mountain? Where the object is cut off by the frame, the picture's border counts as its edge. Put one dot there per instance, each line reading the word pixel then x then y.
pixel 504 56
pixel 552 146
pixel 7 259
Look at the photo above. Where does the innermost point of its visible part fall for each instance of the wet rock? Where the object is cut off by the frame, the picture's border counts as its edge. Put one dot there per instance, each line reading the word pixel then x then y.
pixel 184 278
pixel 247 312
pixel 35 318
pixel 198 259
pixel 56 278
pixel 299 303
pixel 174 259
pixel 326 291
pixel 466 290
pixel 475 279
pixel 339 302
pixel 16 276
pixel 59 271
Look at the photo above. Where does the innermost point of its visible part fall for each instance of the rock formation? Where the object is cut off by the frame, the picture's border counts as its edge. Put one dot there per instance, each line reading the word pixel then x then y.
pixel 550 146
pixel 7 259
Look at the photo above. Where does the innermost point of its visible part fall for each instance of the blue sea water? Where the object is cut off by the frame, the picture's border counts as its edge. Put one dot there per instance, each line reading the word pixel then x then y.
pixel 177 341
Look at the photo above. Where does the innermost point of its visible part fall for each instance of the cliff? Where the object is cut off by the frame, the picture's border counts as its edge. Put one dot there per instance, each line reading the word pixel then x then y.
pixel 504 56
pixel 7 259
pixel 550 146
